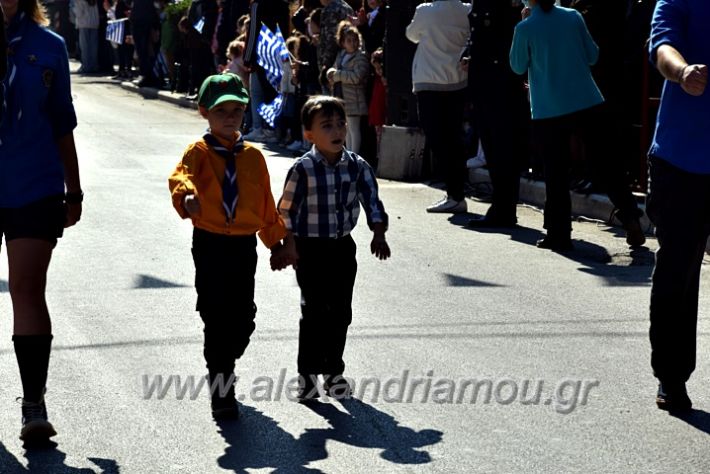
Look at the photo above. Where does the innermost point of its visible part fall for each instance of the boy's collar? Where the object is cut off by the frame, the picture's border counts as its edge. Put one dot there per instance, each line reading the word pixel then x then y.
pixel 321 157
pixel 224 142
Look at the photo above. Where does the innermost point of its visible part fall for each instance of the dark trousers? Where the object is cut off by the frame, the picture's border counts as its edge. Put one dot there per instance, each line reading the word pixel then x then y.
pixel 141 39
pixel 326 275
pixel 679 206
pixel 441 116
pixel 502 122
pixel 224 278
pixel 553 140
pixel 125 57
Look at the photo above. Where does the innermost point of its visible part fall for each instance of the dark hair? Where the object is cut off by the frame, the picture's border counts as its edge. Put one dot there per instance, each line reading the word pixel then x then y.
pixel 314 17
pixel 326 104
pixel 546 5
pixel 345 28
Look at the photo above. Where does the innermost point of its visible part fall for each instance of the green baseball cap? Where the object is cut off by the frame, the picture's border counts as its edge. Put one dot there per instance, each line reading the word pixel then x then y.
pixel 222 88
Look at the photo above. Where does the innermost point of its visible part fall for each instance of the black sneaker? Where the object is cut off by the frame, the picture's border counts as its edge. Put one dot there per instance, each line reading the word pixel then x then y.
pixel 673 397
pixel 35 427
pixel 307 389
pixel 337 387
pixel 556 244
pixel 225 408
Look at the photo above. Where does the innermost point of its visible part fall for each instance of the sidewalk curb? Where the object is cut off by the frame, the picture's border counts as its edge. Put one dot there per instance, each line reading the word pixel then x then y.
pixel 595 206
pixel 165 96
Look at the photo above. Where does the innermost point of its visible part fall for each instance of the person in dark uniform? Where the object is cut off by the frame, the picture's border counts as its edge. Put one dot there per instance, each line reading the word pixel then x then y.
pixel 499 104
pixel 40 191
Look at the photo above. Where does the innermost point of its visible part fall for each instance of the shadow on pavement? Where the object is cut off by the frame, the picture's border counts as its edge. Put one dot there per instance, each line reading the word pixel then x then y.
pixel 364 426
pixel 257 442
pixel 698 419
pixel 48 459
pixel 629 268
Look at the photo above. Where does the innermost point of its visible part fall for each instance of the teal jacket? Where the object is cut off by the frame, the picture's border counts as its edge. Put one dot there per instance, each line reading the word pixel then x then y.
pixel 557 51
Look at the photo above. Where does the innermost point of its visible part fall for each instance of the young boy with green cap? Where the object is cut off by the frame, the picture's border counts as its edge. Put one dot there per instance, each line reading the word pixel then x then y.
pixel 222 184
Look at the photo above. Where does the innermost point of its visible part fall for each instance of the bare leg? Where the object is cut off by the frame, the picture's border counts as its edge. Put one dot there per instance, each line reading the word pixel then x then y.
pixel 28 260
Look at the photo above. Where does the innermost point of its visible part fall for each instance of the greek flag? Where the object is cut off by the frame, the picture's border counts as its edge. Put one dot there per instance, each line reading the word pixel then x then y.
pixel 116 30
pixel 200 25
pixel 271 52
pixel 270 111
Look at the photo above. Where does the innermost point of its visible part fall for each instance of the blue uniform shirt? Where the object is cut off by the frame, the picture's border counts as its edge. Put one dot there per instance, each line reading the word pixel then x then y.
pixel 683 125
pixel 557 51
pixel 39 110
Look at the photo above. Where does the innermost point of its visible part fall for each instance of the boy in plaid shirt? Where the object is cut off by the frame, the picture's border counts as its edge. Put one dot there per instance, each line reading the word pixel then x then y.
pixel 320 206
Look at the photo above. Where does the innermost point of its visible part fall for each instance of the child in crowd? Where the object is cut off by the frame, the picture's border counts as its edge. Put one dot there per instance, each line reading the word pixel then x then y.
pixel 347 79
pixel 235 54
pixel 223 185
pixel 377 111
pixel 319 239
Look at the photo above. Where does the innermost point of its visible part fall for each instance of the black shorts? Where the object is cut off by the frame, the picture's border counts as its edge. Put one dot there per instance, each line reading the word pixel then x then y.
pixel 43 219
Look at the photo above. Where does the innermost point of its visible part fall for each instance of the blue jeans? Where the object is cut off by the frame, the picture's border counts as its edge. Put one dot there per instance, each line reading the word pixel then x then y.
pixel 89 44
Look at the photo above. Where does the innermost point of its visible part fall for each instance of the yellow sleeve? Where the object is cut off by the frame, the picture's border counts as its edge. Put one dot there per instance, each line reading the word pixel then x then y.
pixel 181 181
pixel 274 229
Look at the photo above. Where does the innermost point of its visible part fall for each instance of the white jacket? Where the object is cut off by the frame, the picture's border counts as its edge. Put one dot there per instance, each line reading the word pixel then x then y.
pixel 87 16
pixel 441 30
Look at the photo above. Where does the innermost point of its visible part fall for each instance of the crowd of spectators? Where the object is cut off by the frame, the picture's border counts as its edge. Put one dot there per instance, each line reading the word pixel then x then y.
pixel 175 45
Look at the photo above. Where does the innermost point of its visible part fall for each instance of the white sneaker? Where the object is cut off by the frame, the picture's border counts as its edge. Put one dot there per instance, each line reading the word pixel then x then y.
pixel 295 146
pixel 255 135
pixel 477 161
pixel 446 204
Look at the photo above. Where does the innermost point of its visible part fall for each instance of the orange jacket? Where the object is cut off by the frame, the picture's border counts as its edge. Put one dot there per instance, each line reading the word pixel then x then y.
pixel 201 172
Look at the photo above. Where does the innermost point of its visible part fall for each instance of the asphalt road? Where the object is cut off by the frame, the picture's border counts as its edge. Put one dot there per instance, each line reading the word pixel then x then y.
pixel 453 308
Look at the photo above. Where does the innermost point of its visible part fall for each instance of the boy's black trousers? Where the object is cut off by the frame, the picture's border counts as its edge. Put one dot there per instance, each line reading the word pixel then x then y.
pixel 326 275
pixel 224 278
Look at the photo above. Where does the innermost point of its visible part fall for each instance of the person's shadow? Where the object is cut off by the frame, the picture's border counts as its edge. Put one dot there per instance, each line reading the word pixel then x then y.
pixel 698 419
pixel 257 442
pixel 364 426
pixel 48 459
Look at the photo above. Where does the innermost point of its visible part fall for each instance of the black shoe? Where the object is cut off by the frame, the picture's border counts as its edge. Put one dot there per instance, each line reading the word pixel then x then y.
pixel 35 427
pixel 486 222
pixel 673 397
pixel 634 233
pixel 307 389
pixel 337 387
pixel 556 244
pixel 225 408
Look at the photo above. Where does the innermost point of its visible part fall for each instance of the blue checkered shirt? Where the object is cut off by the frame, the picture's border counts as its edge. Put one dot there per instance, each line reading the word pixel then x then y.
pixel 323 200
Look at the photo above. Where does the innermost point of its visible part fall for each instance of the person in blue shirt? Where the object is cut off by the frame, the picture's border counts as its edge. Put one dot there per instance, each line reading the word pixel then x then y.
pixel 40 192
pixel 553 46
pixel 679 199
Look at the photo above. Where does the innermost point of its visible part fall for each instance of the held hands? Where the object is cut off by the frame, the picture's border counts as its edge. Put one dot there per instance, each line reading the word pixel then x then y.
pixel 694 78
pixel 191 203
pixel 330 73
pixel 284 255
